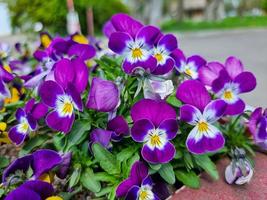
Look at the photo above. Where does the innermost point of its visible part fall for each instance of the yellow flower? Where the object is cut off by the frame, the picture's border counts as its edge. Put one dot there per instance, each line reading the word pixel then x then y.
pixel 79 38
pixel 3 134
pixel 45 40
pixel 14 96
pixel 3 126
pixel 54 198
pixel 47 177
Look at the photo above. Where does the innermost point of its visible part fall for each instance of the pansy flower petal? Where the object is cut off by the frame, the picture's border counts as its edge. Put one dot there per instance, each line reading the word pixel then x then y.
pixel 210 141
pixel 101 136
pixel 190 114
pixel 133 193
pixel 23 193
pixel 82 51
pixel 155 111
pixel 233 66
pixel 118 42
pixel 148 65
pixel 207 74
pixel 194 93
pixel 120 127
pixel 149 34
pixel 197 60
pixel 170 126
pixel 48 91
pixel 42 188
pixel 71 90
pixel 141 129
pixel 169 42
pixel 39 110
pixel 156 156
pixel 246 81
pixel 81 75
pixel 56 122
pixel 219 83
pixel 44 160
pixel 179 58
pixel 214 110
pixel 32 122
pixel 20 113
pixel 16 136
pixel 124 187
pixel 236 108
pixel 164 68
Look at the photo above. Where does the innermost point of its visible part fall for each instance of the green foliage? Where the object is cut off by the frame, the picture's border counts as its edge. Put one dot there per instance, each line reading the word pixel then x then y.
pixel 166 172
pixel 89 181
pixel 205 163
pixel 53 13
pixel 190 179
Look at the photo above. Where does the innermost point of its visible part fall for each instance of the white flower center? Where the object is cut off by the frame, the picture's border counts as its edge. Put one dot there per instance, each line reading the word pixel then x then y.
pixel 229 93
pixel 189 69
pixel 156 138
pixel 145 193
pixel 24 126
pixel 136 51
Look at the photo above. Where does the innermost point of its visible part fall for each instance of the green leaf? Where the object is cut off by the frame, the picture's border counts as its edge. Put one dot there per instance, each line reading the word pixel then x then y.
pixel 155 167
pixel 174 101
pixel 107 160
pixel 89 181
pixel 104 191
pixel 205 163
pixel 189 179
pixel 188 160
pixel 166 172
pixel 78 133
pixel 2 192
pixel 59 141
pixel 34 142
pixel 105 177
pixel 112 194
pixel 75 177
pixel 3 162
pixel 126 153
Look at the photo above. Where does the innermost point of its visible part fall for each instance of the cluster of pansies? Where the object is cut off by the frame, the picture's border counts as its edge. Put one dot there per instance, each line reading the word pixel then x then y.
pixel 121 121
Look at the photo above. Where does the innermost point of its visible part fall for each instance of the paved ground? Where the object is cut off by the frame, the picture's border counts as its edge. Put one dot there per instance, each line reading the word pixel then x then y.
pixel 220 190
pixel 248 45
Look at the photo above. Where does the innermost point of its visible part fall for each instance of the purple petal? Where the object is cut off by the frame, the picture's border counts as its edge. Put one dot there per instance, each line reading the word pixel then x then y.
pixel 124 187
pixel 64 72
pixel 4 91
pixel 101 136
pixel 157 156
pixel 120 126
pixel 236 108
pixel 48 92
pixel 23 193
pixel 81 75
pixel 76 97
pixel 233 66
pixel 190 114
pixel 149 34
pixel 214 110
pixel 262 133
pixel 155 111
pixel 164 69
pixel 230 177
pixel 118 42
pixel 5 75
pixel 29 105
pixel 40 55
pixel 82 51
pixel 133 193
pixel 211 143
pixel 45 160
pixel 103 95
pixel 108 29
pixel 20 113
pixel 254 119
pixel 197 60
pixel 15 136
pixel 179 57
pixel 124 23
pixel 194 93
pixel 247 82
pixel 39 111
pixel 43 189
pixel 64 124
pixel 220 82
pixel 149 65
pixel 171 128
pixel 139 171
pixel 140 129
pixel 32 121
pixel 35 80
pixel 64 165
pixel 22 164
pixel 207 74
pixel 169 41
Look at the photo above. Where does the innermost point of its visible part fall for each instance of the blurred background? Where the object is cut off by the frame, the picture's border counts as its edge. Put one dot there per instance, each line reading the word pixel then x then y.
pixel 214 29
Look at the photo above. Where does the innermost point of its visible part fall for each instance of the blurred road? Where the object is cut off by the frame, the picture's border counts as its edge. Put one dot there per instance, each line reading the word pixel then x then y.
pixel 249 45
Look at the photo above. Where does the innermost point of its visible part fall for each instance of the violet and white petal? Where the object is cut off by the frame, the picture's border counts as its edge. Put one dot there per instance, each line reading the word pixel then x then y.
pixel 190 114
pixel 214 110
pixel 233 66
pixel 56 122
pixel 141 129
pixel 246 82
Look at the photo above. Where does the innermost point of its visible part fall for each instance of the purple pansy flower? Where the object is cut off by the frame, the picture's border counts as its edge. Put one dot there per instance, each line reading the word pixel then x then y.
pixel 188 66
pixel 154 125
pixel 119 127
pixel 63 103
pixel 258 126
pixel 103 96
pixel 201 112
pixel 162 52
pixel 232 81
pixel 41 161
pixel 138 185
pixel 5 77
pixel 136 49
pixel 27 118
pixel 31 190
pixel 100 136
pixel 208 73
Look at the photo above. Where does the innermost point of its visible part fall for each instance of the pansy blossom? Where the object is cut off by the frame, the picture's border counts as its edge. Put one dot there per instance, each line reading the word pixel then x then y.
pixel 154 125
pixel 201 112
pixel 188 66
pixel 232 81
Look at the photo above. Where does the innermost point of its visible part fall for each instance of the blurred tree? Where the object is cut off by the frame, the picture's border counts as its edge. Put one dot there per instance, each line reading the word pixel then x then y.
pixel 264 5
pixel 52 13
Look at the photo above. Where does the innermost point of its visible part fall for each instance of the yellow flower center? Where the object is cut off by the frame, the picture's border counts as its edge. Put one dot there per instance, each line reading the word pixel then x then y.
pixel 228 95
pixel 188 72
pixel 203 127
pixel 2 126
pixel 67 108
pixel 159 57
pixel 137 53
pixel 80 39
pixel 143 195
pixel 155 140
pixel 24 126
